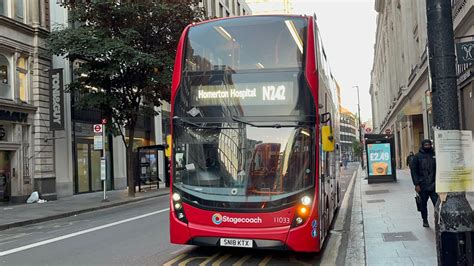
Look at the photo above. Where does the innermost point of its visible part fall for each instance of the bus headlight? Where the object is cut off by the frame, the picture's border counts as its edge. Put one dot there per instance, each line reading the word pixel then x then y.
pixel 306 200
pixel 176 197
pixel 299 220
pixel 178 207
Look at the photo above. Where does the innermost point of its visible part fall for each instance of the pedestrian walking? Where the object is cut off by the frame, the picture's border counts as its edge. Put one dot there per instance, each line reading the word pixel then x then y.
pixel 423 174
pixel 410 159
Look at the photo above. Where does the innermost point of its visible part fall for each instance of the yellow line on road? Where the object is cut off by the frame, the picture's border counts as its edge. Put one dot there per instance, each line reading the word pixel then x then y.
pixel 242 260
pixel 265 261
pixel 293 261
pixel 188 260
pixel 169 263
pixel 204 263
pixel 221 259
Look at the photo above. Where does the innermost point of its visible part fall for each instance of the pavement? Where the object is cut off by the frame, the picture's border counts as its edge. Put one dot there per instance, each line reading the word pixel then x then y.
pixel 14 215
pixel 392 231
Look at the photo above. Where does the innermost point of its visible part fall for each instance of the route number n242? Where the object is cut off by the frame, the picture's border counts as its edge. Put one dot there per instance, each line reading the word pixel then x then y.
pixel 272 93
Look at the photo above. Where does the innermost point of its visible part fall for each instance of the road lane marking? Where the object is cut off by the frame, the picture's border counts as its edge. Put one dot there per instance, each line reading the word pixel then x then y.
pixel 52 240
pixel 209 259
pixel 242 260
pixel 221 260
pixel 169 263
pixel 265 261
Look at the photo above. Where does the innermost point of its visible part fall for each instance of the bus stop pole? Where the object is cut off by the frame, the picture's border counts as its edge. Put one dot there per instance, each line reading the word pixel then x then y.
pixel 103 164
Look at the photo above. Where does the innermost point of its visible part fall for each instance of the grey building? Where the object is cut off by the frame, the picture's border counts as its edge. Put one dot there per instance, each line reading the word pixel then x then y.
pixel 348 131
pixel 26 142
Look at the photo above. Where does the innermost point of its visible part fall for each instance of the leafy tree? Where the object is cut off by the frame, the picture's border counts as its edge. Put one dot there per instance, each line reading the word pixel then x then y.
pixel 357 148
pixel 125 51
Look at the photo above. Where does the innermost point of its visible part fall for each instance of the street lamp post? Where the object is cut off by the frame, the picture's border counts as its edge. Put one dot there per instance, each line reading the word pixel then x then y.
pixel 454 216
pixel 360 129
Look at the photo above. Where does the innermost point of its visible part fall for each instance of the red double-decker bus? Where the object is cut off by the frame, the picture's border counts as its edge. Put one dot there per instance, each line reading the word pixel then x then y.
pixel 254 131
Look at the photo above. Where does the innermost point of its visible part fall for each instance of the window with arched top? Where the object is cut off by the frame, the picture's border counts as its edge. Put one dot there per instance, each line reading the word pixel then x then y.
pixel 5 78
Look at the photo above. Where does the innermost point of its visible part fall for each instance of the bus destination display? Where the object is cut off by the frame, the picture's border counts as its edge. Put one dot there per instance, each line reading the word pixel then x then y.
pixel 281 93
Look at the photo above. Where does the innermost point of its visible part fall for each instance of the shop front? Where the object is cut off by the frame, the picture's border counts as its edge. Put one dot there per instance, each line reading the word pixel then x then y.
pixel 87 158
pixel 15 156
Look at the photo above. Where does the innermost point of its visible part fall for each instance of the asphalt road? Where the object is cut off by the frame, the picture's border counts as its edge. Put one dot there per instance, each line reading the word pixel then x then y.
pixel 133 234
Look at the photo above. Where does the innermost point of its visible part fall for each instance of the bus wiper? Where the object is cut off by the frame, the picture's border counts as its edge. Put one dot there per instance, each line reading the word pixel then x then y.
pixel 186 121
pixel 276 125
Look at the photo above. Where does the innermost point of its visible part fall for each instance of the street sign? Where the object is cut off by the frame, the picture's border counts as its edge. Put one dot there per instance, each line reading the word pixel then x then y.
pixel 102 169
pixel 465 52
pixel 98 142
pixel 103 121
pixel 97 128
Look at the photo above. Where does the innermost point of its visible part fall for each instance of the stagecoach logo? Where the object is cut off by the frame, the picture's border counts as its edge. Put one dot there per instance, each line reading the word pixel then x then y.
pixel 217 219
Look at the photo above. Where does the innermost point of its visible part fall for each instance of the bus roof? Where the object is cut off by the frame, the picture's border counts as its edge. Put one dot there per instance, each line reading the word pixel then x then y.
pixel 250 16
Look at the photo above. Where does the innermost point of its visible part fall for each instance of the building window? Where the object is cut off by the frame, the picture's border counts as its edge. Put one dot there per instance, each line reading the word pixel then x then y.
pixel 3 7
pixel 22 76
pixel 5 81
pixel 221 10
pixel 19 10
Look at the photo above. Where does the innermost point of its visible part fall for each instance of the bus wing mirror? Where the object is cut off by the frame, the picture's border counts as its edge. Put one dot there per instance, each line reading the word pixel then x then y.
pixel 327 138
pixel 326 117
pixel 168 146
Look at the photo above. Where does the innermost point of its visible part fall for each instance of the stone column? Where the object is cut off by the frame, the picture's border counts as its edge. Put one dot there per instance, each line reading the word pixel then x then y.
pixel 35 15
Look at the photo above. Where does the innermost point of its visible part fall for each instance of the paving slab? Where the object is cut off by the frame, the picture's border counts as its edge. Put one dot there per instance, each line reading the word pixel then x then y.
pixel 393 231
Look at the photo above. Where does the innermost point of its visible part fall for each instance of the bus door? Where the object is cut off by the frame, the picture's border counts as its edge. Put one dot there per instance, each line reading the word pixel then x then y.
pixel 326 167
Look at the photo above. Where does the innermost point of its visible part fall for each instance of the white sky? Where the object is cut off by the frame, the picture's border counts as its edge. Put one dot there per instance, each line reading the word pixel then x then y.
pixel 348 31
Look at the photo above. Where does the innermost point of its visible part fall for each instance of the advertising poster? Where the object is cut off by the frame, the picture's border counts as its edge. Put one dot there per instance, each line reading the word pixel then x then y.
pixel 454 161
pixel 379 159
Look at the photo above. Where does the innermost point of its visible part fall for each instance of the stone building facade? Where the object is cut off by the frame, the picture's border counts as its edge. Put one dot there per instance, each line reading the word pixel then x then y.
pixel 400 84
pixel 26 142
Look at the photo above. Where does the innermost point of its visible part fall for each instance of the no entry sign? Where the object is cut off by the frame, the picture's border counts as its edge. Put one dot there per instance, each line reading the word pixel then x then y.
pixel 97 128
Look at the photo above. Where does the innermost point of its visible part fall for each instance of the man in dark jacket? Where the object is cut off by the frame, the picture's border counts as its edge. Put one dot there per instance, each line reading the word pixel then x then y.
pixel 409 159
pixel 423 174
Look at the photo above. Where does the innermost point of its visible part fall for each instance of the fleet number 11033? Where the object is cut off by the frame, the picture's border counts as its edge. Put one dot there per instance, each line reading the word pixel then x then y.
pixel 281 220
